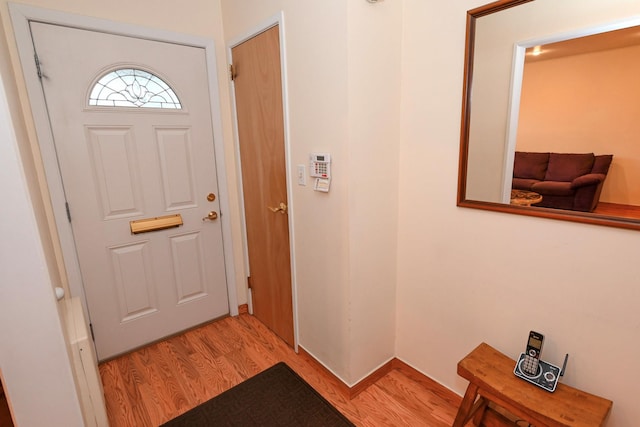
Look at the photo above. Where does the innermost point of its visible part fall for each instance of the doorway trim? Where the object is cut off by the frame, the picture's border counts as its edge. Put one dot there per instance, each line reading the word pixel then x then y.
pixel 276 20
pixel 21 15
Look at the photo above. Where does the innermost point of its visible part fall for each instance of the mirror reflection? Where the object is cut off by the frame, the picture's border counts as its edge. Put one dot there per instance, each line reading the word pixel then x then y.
pixel 550 115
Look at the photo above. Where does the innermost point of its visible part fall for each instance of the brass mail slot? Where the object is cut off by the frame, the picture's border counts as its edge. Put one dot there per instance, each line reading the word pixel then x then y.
pixel 154 224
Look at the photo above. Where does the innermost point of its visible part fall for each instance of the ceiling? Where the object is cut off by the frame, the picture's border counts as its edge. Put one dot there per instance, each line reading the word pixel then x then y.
pixel 581 45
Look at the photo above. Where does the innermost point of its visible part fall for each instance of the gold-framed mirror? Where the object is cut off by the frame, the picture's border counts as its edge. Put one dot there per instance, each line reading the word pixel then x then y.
pixel 549 121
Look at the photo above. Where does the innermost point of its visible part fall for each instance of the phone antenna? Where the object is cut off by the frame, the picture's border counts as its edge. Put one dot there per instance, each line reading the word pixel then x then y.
pixel 564 365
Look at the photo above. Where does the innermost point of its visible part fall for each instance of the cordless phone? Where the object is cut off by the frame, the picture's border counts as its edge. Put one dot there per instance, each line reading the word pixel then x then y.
pixel 529 367
pixel 532 354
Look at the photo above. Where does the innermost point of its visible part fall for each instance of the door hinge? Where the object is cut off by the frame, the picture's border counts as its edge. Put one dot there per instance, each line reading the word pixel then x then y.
pixel 93 337
pixel 249 282
pixel 38 67
pixel 232 72
pixel 66 206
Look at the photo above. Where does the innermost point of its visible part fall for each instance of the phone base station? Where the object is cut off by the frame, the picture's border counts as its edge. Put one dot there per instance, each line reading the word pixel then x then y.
pixel 546 378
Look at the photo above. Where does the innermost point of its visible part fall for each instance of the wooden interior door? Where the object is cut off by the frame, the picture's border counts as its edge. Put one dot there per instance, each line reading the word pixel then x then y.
pixel 258 92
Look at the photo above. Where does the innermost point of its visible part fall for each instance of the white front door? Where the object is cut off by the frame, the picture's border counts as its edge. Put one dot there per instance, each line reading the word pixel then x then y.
pixel 139 154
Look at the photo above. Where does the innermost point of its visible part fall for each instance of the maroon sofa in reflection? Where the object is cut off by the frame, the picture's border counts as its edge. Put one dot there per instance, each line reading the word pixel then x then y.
pixel 565 180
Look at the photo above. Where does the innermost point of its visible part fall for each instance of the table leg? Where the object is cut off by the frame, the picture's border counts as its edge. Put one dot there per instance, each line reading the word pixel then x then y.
pixel 465 407
pixel 478 411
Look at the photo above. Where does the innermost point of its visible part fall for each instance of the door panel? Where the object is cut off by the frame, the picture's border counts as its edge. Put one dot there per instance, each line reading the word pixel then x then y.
pixel 132 270
pixel 258 91
pixel 113 158
pixel 176 166
pixel 189 266
pixel 121 164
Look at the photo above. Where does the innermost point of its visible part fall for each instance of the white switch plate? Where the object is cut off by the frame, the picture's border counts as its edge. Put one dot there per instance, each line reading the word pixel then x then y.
pixel 302 175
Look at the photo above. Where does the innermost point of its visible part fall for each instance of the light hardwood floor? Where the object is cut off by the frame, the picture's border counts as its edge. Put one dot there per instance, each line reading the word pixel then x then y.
pixel 155 384
pixel 618 210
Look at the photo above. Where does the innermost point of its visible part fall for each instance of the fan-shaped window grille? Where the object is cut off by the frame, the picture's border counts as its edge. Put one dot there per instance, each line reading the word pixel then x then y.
pixel 131 87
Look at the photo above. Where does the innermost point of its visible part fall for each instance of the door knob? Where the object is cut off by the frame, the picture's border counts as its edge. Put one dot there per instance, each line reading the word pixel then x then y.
pixel 211 216
pixel 282 208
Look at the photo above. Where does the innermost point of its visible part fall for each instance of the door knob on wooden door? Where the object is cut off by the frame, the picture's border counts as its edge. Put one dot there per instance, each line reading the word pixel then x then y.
pixel 282 208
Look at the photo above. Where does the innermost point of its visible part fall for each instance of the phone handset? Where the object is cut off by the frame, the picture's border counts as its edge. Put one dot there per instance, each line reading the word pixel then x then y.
pixel 532 354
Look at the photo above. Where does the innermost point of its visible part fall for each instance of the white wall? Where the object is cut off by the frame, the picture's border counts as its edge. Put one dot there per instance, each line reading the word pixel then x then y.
pixel 34 360
pixel 459 272
pixel 343 68
pixel 465 276
pixel 374 68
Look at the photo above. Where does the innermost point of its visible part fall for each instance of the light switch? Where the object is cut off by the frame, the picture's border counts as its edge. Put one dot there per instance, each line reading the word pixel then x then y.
pixel 302 175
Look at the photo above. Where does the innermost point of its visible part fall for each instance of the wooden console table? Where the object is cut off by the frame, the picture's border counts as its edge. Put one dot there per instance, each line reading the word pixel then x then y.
pixel 491 379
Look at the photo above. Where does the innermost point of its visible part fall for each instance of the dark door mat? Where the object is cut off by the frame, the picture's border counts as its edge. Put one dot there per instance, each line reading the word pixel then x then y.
pixel 275 397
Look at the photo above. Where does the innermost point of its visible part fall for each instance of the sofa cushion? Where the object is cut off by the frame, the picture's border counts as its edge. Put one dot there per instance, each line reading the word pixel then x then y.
pixel 530 165
pixel 568 166
pixel 553 188
pixel 602 163
pixel 588 179
pixel 523 183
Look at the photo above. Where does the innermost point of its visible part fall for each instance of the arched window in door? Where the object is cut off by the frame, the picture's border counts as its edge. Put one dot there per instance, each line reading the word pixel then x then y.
pixel 132 87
